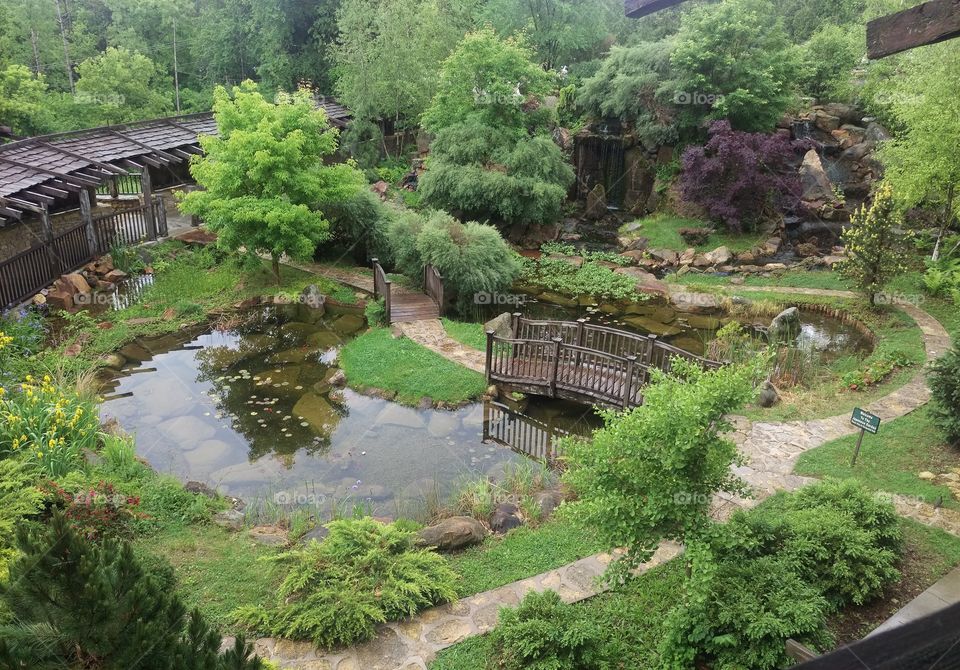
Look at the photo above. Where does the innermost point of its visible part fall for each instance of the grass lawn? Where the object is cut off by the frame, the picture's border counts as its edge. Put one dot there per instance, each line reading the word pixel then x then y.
pixel 468 334
pixel 217 571
pixel 522 553
pixel 890 460
pixel 662 231
pixel 794 278
pixel 376 360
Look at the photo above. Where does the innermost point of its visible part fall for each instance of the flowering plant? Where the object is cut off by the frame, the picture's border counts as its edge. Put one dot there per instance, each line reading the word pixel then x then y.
pixel 46 426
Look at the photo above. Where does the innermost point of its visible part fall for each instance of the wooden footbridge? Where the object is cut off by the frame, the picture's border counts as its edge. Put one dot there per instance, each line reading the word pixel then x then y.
pixel 402 305
pixel 580 361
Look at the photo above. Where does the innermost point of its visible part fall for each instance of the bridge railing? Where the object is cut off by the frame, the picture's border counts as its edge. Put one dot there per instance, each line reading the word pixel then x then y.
pixel 580 360
pixel 433 285
pixel 520 433
pixel 381 286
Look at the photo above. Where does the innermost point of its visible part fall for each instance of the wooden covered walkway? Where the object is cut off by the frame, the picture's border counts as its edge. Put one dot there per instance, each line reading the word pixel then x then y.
pixel 580 361
pixel 404 306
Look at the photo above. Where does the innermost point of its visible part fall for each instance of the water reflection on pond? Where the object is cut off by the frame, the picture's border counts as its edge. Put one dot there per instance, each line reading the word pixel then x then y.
pixel 254 410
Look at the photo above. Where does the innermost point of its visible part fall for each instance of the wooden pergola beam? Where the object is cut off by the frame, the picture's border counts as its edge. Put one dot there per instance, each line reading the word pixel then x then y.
pixel 106 167
pixel 50 190
pixel 11 213
pixel 70 177
pixel 22 204
pixel 925 24
pixel 635 9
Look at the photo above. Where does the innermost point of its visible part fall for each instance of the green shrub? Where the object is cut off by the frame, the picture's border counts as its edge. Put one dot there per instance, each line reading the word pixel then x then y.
pixel 376 312
pixel 778 572
pixel 360 223
pixel 165 502
pixel 945 384
pixel 590 279
pixel 19 498
pixel 364 573
pixel 402 232
pixel 544 633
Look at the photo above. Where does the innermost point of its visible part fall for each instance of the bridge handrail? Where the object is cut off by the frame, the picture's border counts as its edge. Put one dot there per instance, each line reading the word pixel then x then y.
pixel 381 286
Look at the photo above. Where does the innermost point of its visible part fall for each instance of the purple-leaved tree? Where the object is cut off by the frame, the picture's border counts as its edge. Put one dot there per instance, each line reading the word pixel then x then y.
pixel 740 178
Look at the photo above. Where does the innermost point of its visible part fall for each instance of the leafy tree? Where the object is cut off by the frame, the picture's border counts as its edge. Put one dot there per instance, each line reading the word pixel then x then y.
pixel 923 165
pixel 560 31
pixel 740 177
pixel 633 84
pixel 803 18
pixel 264 174
pixel 484 174
pixel 79 604
pixel 22 101
pixel 877 245
pixel 388 57
pixel 829 57
pixel 737 55
pixel 488 79
pixel 650 474
pixel 945 384
pixel 121 85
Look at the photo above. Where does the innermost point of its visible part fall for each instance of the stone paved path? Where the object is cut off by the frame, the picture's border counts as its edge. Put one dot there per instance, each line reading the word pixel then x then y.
pixel 771 450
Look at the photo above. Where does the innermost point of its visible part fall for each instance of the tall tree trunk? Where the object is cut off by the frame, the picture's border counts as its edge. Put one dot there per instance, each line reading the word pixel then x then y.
pixel 61 20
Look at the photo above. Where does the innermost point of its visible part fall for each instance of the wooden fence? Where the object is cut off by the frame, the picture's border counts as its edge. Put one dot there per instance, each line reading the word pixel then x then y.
pixel 381 287
pixel 580 361
pixel 32 270
pixel 433 286
pixel 122 184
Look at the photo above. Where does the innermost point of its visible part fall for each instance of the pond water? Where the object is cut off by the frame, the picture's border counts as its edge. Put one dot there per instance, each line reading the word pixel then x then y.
pixel 249 408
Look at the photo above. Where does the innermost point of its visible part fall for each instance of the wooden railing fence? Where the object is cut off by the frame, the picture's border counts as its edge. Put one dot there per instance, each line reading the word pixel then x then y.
pixel 433 285
pixel 32 270
pixel 381 286
pixel 581 361
pixel 521 433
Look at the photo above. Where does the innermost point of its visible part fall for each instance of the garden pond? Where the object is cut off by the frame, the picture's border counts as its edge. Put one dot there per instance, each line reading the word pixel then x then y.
pixel 251 406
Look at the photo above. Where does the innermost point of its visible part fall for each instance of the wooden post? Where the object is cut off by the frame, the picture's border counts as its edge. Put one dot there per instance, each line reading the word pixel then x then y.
pixel 114 187
pixel 86 214
pixel 628 382
pixel 581 333
pixel 490 335
pixel 516 325
pixel 376 263
pixel 648 352
pixel 927 23
pixel 555 366
pixel 147 188
pixel 53 265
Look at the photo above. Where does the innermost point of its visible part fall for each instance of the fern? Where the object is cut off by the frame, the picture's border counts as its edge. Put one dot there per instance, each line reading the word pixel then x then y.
pixel 364 573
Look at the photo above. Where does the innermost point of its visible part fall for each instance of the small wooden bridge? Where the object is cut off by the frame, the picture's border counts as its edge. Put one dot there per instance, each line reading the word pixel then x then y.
pixel 580 361
pixel 402 305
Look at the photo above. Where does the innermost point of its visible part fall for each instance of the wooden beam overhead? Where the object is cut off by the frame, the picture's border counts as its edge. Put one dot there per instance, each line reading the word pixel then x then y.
pixel 106 167
pixel 133 165
pixel 186 155
pixel 635 9
pixel 66 186
pixel 925 24
pixel 80 180
pixel 50 190
pixel 33 196
pixel 11 213
pixel 22 204
pixel 192 149
pixel 157 154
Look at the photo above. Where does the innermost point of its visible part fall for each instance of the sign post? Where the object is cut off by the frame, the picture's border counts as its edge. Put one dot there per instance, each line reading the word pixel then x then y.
pixel 867 423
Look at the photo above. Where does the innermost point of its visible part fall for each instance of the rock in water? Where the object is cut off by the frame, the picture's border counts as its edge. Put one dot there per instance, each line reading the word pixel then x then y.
pixel 596 203
pixel 454 533
pixel 785 325
pixel 502 325
pixel 312 297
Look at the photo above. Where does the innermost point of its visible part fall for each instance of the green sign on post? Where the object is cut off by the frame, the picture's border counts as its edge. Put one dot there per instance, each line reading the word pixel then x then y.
pixel 867 423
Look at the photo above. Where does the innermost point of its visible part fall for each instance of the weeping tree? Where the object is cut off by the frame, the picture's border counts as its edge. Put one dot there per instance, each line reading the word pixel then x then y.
pixel 264 177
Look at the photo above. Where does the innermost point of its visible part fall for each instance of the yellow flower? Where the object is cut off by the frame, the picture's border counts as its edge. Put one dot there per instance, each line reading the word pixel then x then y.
pixel 39 454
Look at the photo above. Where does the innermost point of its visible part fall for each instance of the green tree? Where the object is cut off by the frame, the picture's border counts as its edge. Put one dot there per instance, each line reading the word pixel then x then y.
pixel 829 57
pixel 560 31
pixel 736 56
pixel 945 385
pixel 264 174
pixel 877 245
pixel 79 604
pixel 121 85
pixel 923 161
pixel 23 101
pixel 489 79
pixel 650 474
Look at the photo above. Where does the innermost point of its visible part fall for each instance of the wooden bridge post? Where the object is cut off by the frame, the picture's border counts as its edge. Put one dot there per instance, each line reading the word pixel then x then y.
pixel 628 382
pixel 515 325
pixel 490 334
pixel 375 262
pixel 555 365
pixel 581 333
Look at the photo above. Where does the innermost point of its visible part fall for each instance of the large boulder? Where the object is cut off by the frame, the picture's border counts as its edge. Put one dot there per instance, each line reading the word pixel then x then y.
pixel 596 203
pixel 719 256
pixel 451 534
pixel 816 184
pixel 646 282
pixel 501 325
pixel 785 325
pixel 505 517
